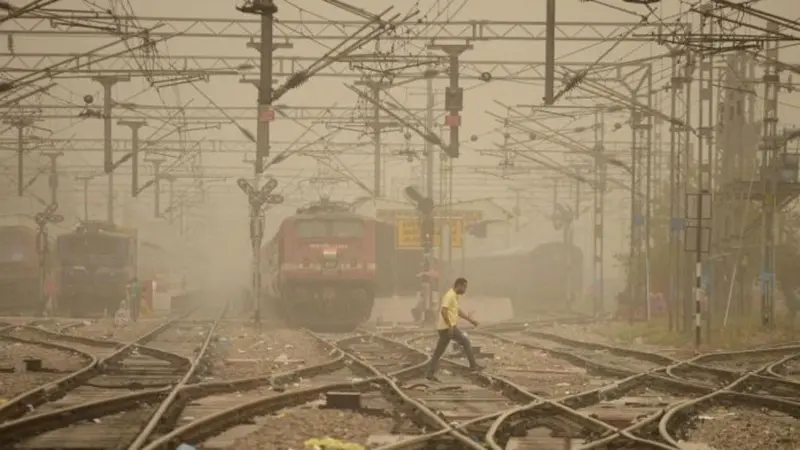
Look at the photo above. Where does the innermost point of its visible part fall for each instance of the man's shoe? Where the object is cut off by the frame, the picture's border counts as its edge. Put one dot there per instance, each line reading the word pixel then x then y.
pixel 477 368
pixel 433 378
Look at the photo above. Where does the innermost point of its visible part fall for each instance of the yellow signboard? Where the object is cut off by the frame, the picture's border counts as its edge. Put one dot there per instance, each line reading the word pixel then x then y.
pixel 408 232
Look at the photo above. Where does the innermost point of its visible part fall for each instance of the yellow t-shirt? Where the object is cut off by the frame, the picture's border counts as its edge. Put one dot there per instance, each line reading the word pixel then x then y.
pixel 450 303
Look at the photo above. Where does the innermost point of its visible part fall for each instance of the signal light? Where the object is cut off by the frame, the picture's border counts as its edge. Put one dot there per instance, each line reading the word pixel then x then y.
pixel 424 204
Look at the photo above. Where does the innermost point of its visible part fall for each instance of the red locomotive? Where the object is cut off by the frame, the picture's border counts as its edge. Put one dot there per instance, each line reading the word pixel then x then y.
pixel 319 269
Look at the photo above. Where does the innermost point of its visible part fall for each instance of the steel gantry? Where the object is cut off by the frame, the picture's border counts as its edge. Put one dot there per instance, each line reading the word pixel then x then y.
pixel 246 67
pixel 324 30
pixel 188 114
pixel 200 145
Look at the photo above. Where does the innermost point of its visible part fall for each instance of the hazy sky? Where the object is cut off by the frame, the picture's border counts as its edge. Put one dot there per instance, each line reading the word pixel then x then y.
pixel 471 180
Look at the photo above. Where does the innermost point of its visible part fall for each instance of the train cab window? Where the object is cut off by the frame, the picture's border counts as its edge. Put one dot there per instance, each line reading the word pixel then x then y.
pixel 102 250
pixel 310 229
pixel 347 228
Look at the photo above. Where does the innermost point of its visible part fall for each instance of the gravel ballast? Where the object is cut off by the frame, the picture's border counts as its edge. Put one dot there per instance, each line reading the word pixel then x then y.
pixel 243 352
pixel 534 369
pixel 13 378
pixel 291 428
pixel 745 429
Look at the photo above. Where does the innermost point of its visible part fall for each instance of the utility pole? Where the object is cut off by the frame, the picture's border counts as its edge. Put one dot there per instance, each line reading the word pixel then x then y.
pixel 641 173
pixel 598 216
pixel 698 205
pixel 563 219
pixel 85 181
pixel 20 123
pixel 705 180
pixel 454 104
pixel 686 289
pixel 267 10
pixel 258 199
pixel 52 179
pixel 377 126
pixel 182 220
pixel 454 95
pixel 770 173
pixel 675 224
pixel 135 126
pixel 550 53
pixel 430 102
pixel 171 210
pixel 108 82
pixel 517 207
pixel 157 186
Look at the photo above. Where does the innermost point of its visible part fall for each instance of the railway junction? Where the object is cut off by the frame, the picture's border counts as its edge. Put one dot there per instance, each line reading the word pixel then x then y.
pixel 228 226
pixel 205 379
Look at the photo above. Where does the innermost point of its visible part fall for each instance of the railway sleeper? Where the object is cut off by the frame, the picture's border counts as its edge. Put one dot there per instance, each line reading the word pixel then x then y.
pixel 27 427
pixel 547 432
pixel 444 442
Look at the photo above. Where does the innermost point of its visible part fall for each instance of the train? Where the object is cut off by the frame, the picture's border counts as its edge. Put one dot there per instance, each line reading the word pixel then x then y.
pixel 545 278
pixel 95 263
pixel 21 263
pixel 318 271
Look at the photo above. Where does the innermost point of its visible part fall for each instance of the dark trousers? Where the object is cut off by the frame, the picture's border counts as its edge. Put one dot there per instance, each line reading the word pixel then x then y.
pixel 441 347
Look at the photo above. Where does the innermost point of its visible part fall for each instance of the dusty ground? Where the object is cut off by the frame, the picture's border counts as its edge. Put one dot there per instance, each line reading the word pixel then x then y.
pixel 242 352
pixel 13 378
pixel 291 428
pixel 746 429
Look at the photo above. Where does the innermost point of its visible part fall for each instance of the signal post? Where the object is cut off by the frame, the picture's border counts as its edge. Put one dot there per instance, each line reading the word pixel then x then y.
pixel 43 219
pixel 258 199
pixel 424 206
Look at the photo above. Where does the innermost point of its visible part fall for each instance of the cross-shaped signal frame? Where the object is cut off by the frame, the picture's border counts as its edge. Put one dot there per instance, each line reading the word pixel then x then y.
pixel 263 196
pixel 48 215
pixel 562 216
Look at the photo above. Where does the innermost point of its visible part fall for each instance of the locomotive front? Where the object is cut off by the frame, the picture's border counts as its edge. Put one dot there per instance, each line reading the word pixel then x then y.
pixel 327 267
pixel 95 267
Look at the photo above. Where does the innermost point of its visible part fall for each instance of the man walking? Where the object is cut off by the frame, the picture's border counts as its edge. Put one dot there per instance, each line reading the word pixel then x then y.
pixel 447 329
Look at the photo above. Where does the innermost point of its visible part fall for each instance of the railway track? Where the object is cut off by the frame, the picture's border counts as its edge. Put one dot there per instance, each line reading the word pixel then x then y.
pixel 628 401
pixel 336 371
pixel 625 412
pixel 350 373
pixel 91 407
pixel 675 384
pixel 737 394
pixel 456 413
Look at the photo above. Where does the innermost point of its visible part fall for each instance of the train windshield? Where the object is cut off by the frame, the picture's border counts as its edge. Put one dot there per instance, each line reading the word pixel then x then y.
pixel 347 228
pixel 99 250
pixel 337 228
pixel 311 229
pixel 15 246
